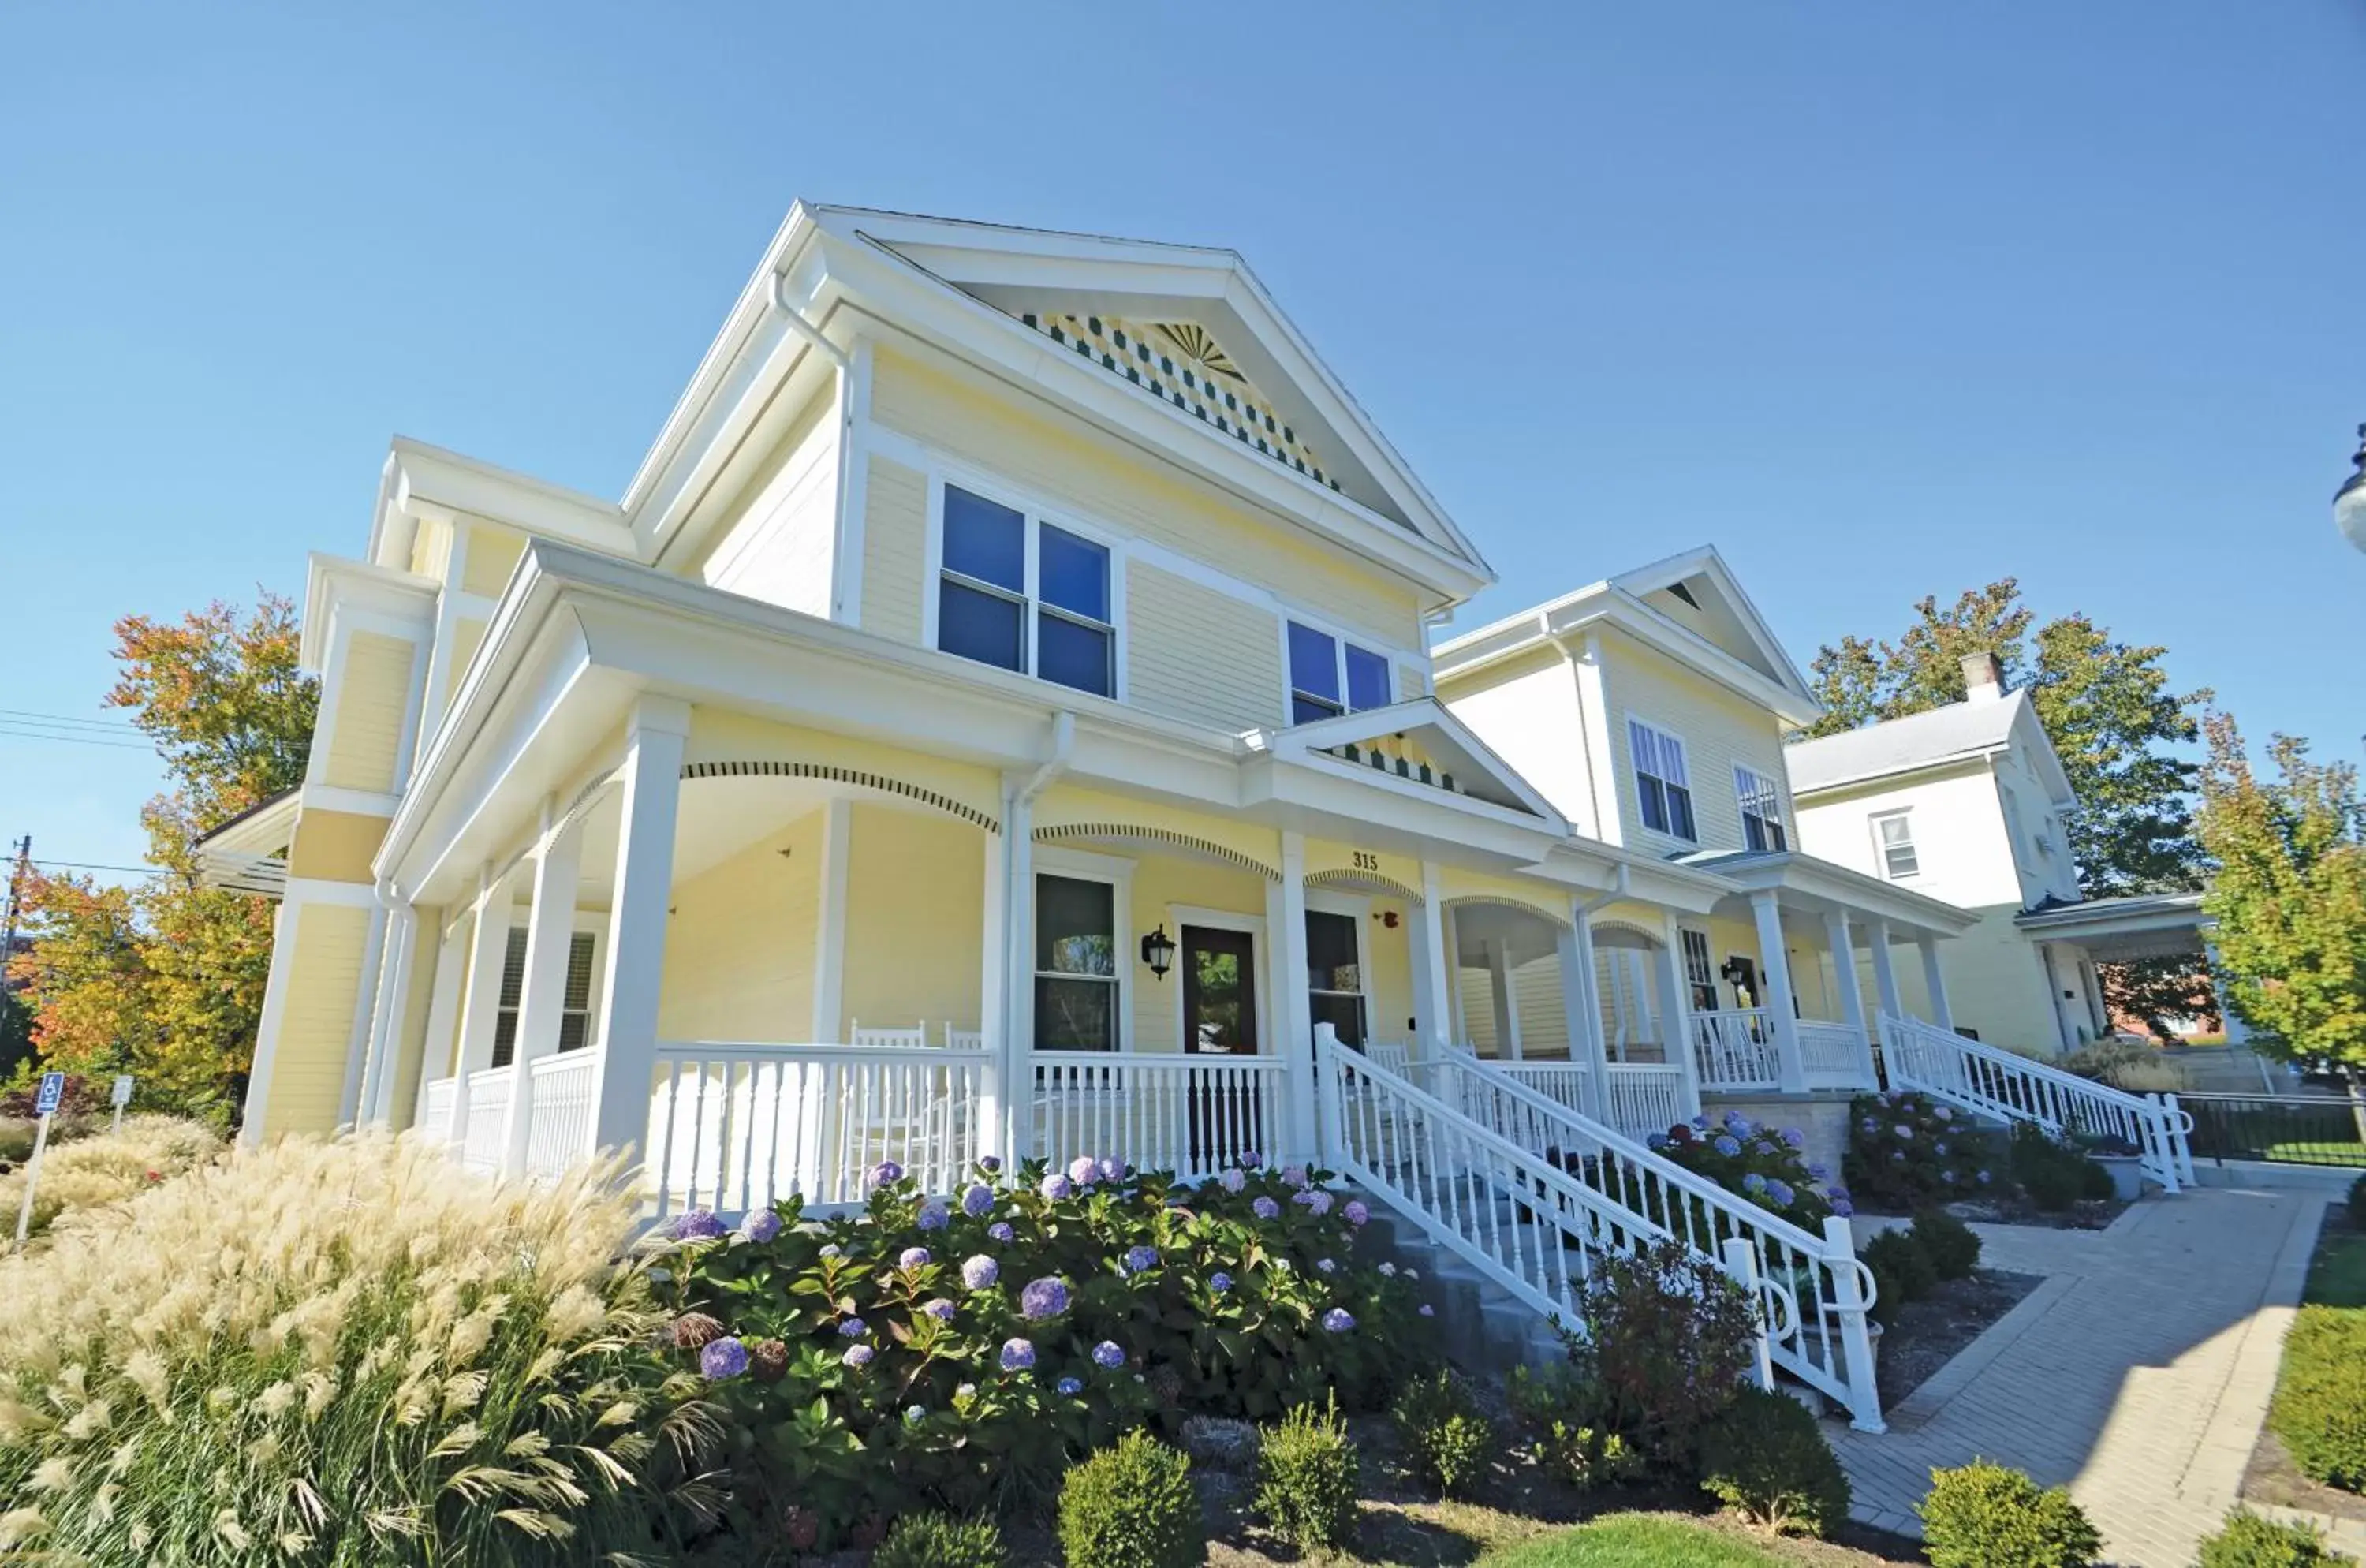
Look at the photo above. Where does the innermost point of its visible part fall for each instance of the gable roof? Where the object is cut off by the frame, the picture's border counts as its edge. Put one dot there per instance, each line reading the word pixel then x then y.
pixel 1936 737
pixel 1420 740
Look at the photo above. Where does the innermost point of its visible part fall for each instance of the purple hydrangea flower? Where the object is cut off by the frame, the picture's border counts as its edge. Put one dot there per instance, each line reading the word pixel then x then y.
pixel 1071 1387
pixel 1818 1172
pixel 980 1273
pixel 1017 1355
pixel 1251 1159
pixel 1055 1187
pixel 1357 1214
pixel 914 1415
pixel 761 1226
pixel 1762 1148
pixel 852 1328
pixel 1795 1138
pixel 1220 1282
pixel 1781 1192
pixel 1046 1297
pixel 990 1164
pixel 1754 1184
pixel 941 1309
pixel 1112 1170
pixel 1265 1209
pixel 699 1225
pixel 1736 1123
pixel 1325 1265
pixel 978 1202
pixel 722 1358
pixel 1428 1311
pixel 1232 1179
pixel 1948 1177
pixel 1938 1148
pixel 1871 1125
pixel 1944 1114
pixel 1388 1270
pixel 1983 1178
pixel 886 1172
pixel 1138 1258
pixel 858 1355
pixel 999 1231
pixel 914 1257
pixel 1083 1169
pixel 1905 1133
pixel 1842 1208
pixel 1656 1141
pixel 1727 1146
pixel 1897 1157
pixel 1108 1353
pixel 1836 1192
pixel 831 1249
pixel 1700 1123
pixel 1316 1199
pixel 1337 1321
pixel 1294 1174
pixel 933 1217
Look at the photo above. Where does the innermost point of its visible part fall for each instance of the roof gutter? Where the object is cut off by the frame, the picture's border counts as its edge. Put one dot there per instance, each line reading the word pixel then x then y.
pixel 797 323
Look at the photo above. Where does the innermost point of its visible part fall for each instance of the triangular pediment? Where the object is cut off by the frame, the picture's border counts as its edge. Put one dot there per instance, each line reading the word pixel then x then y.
pixel 1420 742
pixel 1700 593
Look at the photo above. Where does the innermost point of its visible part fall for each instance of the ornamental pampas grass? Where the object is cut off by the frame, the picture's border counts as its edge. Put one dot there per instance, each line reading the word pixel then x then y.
pixel 340 1353
pixel 91 1172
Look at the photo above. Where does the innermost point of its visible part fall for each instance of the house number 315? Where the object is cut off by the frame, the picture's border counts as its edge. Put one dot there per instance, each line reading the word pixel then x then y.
pixel 1367 861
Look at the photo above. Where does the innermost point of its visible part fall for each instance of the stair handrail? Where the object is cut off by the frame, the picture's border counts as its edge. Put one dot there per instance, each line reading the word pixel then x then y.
pixel 2057 1100
pixel 1827 1347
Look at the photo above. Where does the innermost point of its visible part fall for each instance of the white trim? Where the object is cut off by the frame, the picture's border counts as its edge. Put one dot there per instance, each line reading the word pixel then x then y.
pixel 855 440
pixel 336 797
pixel 1252 926
pixel 1684 761
pixel 1037 516
pixel 1340 642
pixel 829 927
pixel 1083 865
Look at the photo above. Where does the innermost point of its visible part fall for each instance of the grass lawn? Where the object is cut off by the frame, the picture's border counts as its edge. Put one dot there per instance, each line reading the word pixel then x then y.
pixel 1639 1540
pixel 2336 1277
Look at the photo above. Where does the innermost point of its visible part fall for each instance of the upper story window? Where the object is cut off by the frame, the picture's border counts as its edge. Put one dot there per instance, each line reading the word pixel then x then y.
pixel 1762 810
pixel 1021 594
pixel 1662 785
pixel 1892 840
pixel 1329 676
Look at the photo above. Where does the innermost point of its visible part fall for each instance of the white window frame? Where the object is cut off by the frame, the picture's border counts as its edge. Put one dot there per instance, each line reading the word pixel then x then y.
pixel 1694 987
pixel 1081 865
pixel 1357 909
pixel 1037 513
pixel 1751 785
pixel 1904 814
pixel 1340 639
pixel 591 924
pixel 1684 761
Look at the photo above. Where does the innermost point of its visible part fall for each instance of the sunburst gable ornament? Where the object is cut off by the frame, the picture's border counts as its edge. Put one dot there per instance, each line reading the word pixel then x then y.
pixel 1193 341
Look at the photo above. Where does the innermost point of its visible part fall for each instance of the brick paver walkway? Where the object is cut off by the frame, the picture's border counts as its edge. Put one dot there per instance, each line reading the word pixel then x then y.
pixel 2139 1373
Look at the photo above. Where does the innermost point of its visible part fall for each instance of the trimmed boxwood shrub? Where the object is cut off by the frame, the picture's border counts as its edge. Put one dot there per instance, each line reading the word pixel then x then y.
pixel 1767 1458
pixel 2320 1403
pixel 1953 1247
pixel 937 1540
pixel 1902 1272
pixel 1443 1432
pixel 1132 1506
pixel 2251 1542
pixel 2054 1174
pixel 1984 1515
pixel 1307 1471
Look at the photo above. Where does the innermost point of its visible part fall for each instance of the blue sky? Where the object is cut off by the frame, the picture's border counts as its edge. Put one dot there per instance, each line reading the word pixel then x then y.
pixel 1882 300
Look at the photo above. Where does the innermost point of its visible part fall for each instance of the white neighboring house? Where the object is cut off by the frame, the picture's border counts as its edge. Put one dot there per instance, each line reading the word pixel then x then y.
pixel 1966 802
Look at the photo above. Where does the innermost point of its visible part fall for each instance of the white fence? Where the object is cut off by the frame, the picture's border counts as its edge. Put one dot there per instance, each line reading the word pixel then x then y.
pixel 1836 1055
pixel 1190 1114
pixel 1472 1168
pixel 1645 1097
pixel 481 1134
pixel 1991 1082
pixel 564 1091
pixel 1735 1049
pixel 435 1099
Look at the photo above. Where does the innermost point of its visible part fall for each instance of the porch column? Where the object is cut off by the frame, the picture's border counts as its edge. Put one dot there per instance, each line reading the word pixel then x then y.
pixel 1505 1001
pixel 1583 1010
pixel 489 947
pixel 1676 1010
pixel 378 1073
pixel 362 1032
pixel 1284 924
pixel 829 922
pixel 1433 981
pixel 1884 978
pixel 542 990
pixel 1774 959
pixel 1844 980
pixel 443 1016
pixel 2237 1033
pixel 996 1087
pixel 651 777
pixel 1935 981
pixel 1013 952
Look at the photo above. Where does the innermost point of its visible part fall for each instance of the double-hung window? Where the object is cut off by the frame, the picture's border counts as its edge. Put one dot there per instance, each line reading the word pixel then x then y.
pixel 1762 810
pixel 1075 964
pixel 1329 676
pixel 1662 789
pixel 1700 971
pixel 1335 978
pixel 1016 591
pixel 574 1006
pixel 1893 840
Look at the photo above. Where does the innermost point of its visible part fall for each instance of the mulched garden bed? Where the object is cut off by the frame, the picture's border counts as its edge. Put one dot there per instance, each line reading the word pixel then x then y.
pixel 2016 1210
pixel 1928 1333
pixel 2271 1476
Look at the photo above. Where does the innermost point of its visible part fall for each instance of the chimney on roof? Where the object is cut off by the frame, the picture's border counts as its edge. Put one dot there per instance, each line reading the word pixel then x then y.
pixel 1983 676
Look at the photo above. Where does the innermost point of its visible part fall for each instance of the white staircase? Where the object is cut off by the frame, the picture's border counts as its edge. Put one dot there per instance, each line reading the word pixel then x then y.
pixel 2006 1086
pixel 1525 1194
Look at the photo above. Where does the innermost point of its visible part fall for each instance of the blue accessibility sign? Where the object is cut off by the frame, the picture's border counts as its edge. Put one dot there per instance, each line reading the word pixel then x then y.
pixel 52 1091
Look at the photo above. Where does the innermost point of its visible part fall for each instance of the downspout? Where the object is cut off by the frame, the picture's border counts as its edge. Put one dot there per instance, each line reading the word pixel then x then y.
pixel 1017 828
pixel 843 396
pixel 795 321
pixel 1621 883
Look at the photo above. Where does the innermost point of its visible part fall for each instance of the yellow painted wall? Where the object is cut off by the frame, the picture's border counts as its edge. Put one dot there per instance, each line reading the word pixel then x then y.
pixel 430 548
pixel 316 1018
pixel 334 846
pixel 493 554
pixel 1199 654
pixel 1161 881
pixel 1073 466
pixel 1718 728
pixel 894 549
pixel 739 944
pixel 467 636
pixel 915 921
pixel 366 731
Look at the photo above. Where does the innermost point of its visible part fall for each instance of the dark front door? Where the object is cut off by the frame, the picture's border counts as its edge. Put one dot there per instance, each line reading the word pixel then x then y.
pixel 1220 1020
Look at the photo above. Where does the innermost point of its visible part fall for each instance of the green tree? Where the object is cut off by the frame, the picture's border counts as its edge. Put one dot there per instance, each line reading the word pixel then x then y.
pixel 166 979
pixel 2289 895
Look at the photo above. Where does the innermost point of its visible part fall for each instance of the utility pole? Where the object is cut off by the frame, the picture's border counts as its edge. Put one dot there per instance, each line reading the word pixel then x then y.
pixel 17 875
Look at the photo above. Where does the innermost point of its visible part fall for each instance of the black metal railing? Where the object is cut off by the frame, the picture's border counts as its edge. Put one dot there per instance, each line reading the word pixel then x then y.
pixel 2285 1129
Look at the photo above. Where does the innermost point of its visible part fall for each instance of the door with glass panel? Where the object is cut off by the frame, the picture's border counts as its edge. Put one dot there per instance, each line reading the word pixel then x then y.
pixel 1335 978
pixel 1220 1018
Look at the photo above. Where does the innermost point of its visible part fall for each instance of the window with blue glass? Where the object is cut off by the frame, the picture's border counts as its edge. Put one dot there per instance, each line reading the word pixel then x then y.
pixel 1662 788
pixel 1329 676
pixel 1023 594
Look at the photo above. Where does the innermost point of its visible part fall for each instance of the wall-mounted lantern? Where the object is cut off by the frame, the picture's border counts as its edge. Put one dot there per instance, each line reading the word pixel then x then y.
pixel 1158 951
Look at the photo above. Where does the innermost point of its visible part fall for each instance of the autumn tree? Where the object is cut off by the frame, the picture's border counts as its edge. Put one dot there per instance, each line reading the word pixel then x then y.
pixel 2113 719
pixel 165 980
pixel 2289 895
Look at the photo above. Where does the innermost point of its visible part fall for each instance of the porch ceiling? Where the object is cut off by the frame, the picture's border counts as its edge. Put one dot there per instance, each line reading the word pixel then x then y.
pixel 1522 937
pixel 1807 885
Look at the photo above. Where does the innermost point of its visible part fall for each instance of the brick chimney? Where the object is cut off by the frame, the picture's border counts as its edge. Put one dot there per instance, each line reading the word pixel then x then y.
pixel 1983 676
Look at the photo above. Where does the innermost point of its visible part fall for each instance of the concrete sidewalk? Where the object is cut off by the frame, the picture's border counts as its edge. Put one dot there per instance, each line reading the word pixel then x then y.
pixel 2139 1373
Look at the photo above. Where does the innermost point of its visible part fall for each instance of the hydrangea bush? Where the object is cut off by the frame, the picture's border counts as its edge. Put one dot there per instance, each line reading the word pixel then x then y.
pixel 1767 1166
pixel 934 1352
pixel 1907 1150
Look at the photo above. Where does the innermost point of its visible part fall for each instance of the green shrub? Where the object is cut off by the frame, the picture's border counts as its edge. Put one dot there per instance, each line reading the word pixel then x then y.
pixel 2358 1203
pixel 939 1541
pixel 1307 1471
pixel 2251 1542
pixel 346 1351
pixel 2320 1402
pixel 1953 1247
pixel 1906 1150
pixel 1984 1515
pixel 2053 1173
pixel 1132 1506
pixel 1668 1340
pixel 1767 1460
pixel 1563 1412
pixel 1442 1431
pixel 1901 1271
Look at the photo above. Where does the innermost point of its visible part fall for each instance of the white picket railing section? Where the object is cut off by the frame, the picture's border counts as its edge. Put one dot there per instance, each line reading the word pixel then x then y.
pixel 1191 1115
pixel 1735 1049
pixel 1527 1191
pixel 735 1127
pixel 480 1135
pixel 1645 1097
pixel 1836 1055
pixel 563 1100
pixel 1991 1082
pixel 435 1101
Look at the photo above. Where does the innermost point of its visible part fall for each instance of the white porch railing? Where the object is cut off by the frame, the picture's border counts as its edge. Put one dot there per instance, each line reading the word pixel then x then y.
pixel 1735 1049
pixel 1460 1168
pixel 737 1127
pixel 488 1106
pixel 1836 1055
pixel 1645 1097
pixel 435 1099
pixel 564 1101
pixel 1991 1082
pixel 1190 1114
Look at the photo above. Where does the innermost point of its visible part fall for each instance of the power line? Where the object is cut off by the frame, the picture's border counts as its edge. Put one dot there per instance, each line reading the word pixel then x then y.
pixel 67 718
pixel 8 731
pixel 96 865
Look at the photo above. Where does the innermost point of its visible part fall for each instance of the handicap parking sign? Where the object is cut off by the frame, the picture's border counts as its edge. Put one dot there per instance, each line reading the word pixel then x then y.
pixel 52 1091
